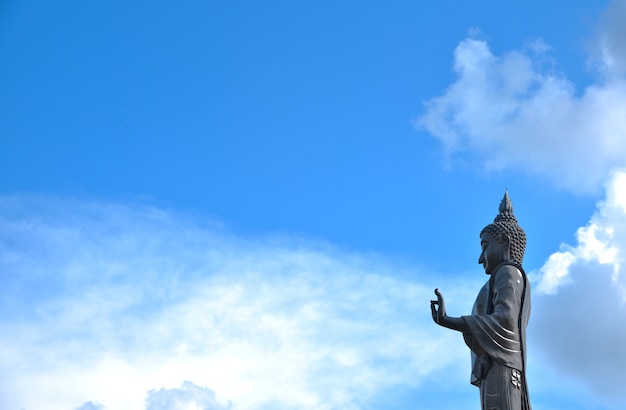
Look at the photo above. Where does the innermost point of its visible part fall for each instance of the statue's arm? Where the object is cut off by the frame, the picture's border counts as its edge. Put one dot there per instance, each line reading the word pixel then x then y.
pixel 438 308
pixel 495 332
pixel 455 323
pixel 507 292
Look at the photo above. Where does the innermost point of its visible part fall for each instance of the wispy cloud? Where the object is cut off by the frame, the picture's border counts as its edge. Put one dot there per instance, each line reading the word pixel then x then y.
pixel 103 303
pixel 517 111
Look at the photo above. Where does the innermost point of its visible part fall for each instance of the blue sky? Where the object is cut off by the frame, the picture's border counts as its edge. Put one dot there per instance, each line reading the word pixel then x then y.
pixel 247 205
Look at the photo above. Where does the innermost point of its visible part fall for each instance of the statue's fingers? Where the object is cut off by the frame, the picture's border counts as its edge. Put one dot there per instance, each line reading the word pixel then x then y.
pixel 439 296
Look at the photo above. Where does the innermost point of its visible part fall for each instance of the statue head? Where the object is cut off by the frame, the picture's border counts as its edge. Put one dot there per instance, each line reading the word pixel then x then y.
pixel 507 238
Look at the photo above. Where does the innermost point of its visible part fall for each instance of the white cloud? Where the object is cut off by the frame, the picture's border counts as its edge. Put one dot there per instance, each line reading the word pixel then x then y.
pixel 102 303
pixel 608 50
pixel 601 242
pixel 580 305
pixel 187 397
pixel 516 111
pixel 90 406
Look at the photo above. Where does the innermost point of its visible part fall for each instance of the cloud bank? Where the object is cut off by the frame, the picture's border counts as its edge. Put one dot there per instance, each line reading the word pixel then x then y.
pixel 517 111
pixel 113 306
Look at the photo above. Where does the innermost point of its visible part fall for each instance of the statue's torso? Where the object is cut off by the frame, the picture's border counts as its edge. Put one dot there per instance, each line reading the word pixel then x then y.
pixel 497 338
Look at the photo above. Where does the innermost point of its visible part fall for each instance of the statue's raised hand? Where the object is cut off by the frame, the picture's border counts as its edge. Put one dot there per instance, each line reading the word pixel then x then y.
pixel 438 308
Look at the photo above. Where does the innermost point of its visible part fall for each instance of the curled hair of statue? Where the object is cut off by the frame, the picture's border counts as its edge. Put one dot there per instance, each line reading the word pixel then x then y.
pixel 505 226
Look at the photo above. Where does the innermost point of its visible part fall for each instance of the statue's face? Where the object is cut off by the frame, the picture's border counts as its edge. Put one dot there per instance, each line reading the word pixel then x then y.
pixel 492 253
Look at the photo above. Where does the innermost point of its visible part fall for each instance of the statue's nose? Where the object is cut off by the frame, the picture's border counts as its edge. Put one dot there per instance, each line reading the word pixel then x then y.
pixel 481 258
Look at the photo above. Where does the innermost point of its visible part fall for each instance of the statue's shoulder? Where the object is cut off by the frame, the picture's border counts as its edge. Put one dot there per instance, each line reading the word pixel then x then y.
pixel 508 272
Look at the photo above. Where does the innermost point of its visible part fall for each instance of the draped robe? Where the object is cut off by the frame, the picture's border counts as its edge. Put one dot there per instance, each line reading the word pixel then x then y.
pixel 497 339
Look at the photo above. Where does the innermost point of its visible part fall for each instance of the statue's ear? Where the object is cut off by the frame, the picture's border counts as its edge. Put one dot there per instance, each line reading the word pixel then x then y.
pixel 506 248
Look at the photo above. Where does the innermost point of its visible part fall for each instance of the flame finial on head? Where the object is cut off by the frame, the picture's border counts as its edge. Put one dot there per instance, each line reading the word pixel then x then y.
pixel 506 210
pixel 506 205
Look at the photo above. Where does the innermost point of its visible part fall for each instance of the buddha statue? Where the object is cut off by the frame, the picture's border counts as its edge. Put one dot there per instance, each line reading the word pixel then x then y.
pixel 495 332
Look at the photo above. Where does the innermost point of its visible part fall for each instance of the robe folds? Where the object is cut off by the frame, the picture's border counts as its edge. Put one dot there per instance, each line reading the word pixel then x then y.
pixel 497 338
